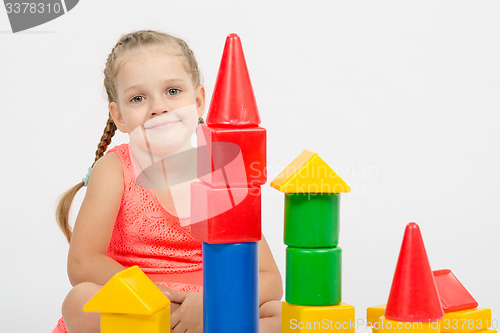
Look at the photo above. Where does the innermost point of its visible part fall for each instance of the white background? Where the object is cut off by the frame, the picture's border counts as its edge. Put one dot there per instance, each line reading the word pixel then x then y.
pixel 401 98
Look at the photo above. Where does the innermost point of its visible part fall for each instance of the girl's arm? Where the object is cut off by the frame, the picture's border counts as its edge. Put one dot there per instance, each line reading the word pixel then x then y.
pixel 87 259
pixel 270 283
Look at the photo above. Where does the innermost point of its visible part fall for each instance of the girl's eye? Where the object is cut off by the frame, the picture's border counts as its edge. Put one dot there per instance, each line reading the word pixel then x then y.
pixel 137 99
pixel 173 91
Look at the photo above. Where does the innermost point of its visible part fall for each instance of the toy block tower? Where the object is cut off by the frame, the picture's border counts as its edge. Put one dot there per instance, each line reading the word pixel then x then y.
pixel 130 302
pixel 226 201
pixel 313 259
pixel 419 297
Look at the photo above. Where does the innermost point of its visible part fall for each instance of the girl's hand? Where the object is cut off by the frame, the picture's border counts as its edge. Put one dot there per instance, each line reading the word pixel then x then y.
pixel 167 292
pixel 175 297
pixel 189 315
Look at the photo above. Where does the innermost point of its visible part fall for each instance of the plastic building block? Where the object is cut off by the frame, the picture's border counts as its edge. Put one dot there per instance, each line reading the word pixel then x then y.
pixel 233 101
pixel 230 288
pixel 308 173
pixel 232 155
pixel 209 201
pixel 453 295
pixel 312 220
pixel 413 296
pixel 158 322
pixel 394 326
pixel 128 292
pixel 224 168
pixel 299 318
pixel 373 314
pixel 466 321
pixel 313 276
pixel 221 215
pixel 130 302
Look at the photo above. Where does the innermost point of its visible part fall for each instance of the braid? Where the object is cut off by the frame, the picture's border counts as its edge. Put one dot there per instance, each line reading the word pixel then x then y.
pixel 64 205
pixel 108 133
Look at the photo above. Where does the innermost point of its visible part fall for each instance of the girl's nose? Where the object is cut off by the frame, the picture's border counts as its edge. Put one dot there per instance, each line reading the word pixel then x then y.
pixel 159 106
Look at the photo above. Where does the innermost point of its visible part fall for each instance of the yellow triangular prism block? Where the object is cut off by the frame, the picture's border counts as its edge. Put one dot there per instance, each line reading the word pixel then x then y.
pixel 128 292
pixel 308 173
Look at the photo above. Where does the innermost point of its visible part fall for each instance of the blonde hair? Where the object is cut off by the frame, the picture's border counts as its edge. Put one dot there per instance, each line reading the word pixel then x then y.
pixel 128 42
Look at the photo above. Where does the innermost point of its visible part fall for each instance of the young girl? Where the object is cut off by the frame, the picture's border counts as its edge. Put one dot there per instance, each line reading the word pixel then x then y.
pixel 156 97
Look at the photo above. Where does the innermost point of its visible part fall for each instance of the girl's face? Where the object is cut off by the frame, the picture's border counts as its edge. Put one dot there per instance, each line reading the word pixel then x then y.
pixel 156 100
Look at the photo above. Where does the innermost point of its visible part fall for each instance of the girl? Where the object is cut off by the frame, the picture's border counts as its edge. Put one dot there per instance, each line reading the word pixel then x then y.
pixel 156 97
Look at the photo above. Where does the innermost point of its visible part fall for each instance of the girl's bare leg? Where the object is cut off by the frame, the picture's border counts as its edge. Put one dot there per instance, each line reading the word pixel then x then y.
pixel 76 320
pixel 270 317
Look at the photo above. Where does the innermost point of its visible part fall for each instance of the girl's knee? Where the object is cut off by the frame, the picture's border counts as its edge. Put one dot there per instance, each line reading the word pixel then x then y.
pixel 270 309
pixel 270 317
pixel 77 297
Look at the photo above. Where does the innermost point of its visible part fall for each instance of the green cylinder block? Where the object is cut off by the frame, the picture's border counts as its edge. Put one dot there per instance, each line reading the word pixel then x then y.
pixel 313 276
pixel 312 219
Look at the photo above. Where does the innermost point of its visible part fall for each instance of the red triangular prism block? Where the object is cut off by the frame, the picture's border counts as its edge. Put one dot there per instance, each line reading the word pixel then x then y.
pixel 413 296
pixel 233 101
pixel 453 295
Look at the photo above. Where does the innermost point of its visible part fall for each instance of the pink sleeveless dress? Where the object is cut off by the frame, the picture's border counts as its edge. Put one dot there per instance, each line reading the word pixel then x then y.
pixel 147 235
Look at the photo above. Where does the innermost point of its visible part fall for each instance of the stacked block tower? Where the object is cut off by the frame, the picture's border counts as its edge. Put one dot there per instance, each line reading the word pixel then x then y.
pixel 226 201
pixel 313 259
pixel 424 301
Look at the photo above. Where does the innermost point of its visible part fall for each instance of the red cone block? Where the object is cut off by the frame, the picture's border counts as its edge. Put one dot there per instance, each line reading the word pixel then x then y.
pixel 413 296
pixel 233 101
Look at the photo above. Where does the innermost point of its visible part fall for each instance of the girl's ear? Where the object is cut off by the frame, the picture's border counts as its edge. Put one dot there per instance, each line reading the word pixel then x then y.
pixel 117 116
pixel 200 100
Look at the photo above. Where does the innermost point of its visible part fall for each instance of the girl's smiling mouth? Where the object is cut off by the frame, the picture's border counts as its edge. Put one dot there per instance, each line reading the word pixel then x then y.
pixel 160 123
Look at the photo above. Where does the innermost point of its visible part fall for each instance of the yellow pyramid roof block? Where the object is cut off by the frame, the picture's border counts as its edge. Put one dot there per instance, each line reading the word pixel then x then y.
pixel 128 292
pixel 308 173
